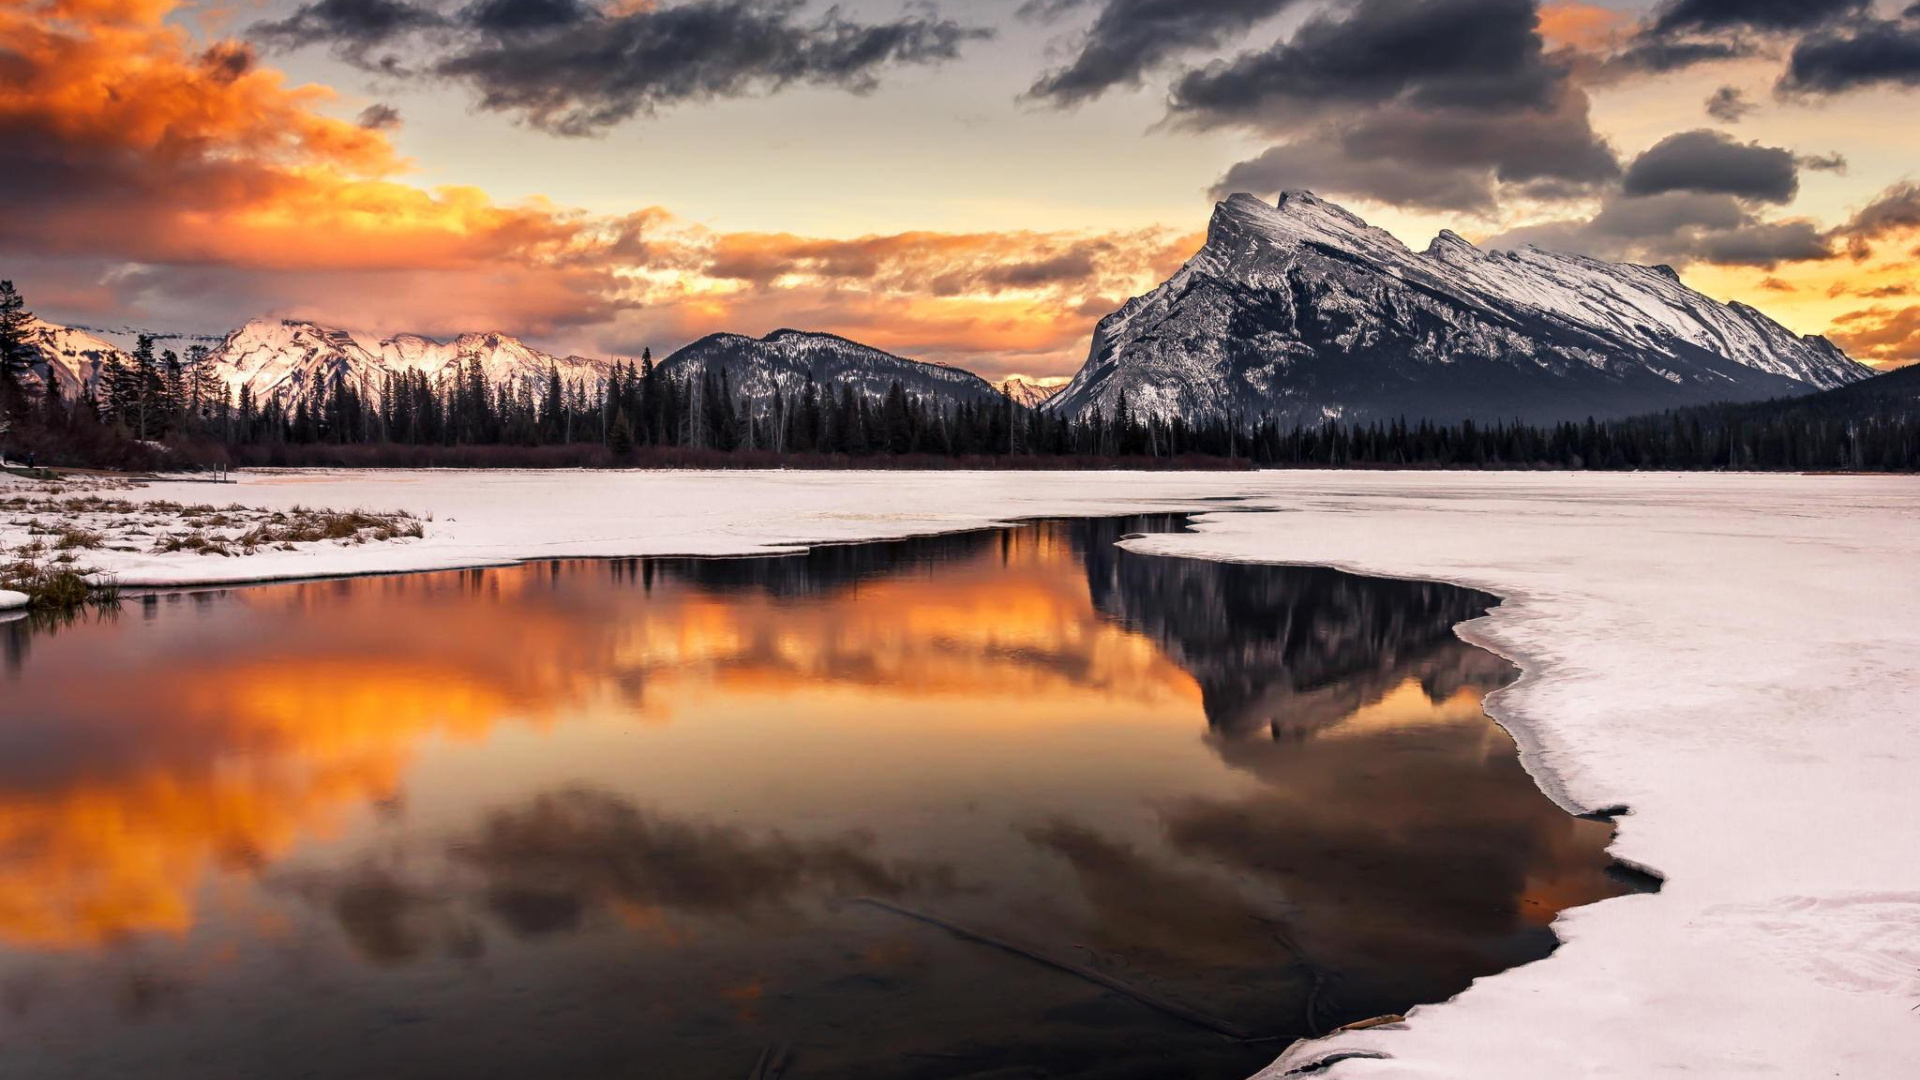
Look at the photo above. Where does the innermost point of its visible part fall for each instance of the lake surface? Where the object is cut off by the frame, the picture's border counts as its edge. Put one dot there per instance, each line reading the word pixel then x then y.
pixel 628 819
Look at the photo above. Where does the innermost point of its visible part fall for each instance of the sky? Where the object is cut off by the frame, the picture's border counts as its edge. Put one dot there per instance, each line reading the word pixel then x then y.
pixel 973 183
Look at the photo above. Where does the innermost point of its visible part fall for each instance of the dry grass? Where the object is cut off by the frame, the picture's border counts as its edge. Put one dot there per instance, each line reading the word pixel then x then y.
pixel 73 538
pixel 56 586
pixel 83 521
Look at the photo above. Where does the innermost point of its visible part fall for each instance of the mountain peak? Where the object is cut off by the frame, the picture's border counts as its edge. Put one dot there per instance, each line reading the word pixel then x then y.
pixel 1301 311
pixel 1242 222
pixel 1451 243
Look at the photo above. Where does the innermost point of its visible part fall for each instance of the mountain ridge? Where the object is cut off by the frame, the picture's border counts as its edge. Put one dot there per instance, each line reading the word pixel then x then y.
pixel 1299 311
pixel 785 359
pixel 1302 311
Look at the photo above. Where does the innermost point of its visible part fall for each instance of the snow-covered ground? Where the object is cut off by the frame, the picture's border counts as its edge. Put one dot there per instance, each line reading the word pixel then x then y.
pixel 1736 658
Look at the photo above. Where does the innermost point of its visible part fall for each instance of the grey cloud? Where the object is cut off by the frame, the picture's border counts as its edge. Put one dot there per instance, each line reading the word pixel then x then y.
pixel 1130 37
pixel 1867 52
pixel 1678 228
pixel 1473 54
pixel 1895 210
pixel 1766 15
pixel 379 117
pixel 570 68
pixel 1729 105
pixel 1443 104
pixel 1712 162
pixel 351 28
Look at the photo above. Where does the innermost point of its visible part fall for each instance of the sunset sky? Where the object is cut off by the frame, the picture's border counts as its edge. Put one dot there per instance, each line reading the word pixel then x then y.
pixel 975 183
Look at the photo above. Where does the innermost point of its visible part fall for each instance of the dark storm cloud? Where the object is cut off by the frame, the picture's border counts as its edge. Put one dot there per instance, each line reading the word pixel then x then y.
pixel 1868 52
pixel 574 69
pixel 1717 15
pixel 1711 162
pixel 1130 37
pixel 1729 105
pixel 1442 104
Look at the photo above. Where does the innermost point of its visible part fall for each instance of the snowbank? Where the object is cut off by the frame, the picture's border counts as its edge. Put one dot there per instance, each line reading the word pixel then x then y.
pixel 10 599
pixel 1732 657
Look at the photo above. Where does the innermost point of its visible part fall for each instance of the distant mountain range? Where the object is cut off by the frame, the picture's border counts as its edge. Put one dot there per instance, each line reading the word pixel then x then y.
pixel 1025 392
pixel 1299 311
pixel 785 359
pixel 1304 312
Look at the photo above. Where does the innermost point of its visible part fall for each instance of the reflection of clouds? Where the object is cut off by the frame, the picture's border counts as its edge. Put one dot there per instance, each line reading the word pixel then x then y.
pixel 547 862
pixel 1147 907
pixel 223 743
pixel 388 919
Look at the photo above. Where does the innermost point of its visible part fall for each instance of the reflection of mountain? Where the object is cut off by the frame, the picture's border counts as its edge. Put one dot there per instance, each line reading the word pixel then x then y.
pixel 1287 649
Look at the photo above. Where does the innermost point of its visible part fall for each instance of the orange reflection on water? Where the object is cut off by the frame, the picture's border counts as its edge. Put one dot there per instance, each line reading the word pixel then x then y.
pixel 234 751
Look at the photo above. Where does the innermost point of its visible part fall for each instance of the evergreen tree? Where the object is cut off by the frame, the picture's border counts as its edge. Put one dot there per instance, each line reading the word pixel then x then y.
pixel 16 351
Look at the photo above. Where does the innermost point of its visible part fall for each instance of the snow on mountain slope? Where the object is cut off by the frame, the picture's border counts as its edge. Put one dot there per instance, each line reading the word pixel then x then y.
pixel 71 357
pixel 291 359
pixel 785 358
pixel 1029 394
pixel 1304 312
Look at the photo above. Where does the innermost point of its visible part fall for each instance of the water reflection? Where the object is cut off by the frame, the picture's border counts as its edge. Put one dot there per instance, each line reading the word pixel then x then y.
pixel 609 818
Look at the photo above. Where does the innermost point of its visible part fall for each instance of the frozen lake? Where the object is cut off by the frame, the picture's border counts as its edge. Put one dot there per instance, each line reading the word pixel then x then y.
pixel 622 818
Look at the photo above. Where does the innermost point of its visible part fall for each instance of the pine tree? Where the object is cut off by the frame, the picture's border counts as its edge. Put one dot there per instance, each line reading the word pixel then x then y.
pixel 16 350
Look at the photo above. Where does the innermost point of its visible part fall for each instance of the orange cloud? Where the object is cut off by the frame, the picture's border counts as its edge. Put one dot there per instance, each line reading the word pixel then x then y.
pixel 194 178
pixel 233 763
pixel 1582 26
pixel 998 302
pixel 129 141
pixel 1881 336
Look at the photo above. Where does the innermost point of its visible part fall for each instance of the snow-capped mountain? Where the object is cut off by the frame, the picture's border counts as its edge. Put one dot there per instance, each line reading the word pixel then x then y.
pixel 1029 394
pixel 1304 312
pixel 785 358
pixel 289 359
pixel 70 356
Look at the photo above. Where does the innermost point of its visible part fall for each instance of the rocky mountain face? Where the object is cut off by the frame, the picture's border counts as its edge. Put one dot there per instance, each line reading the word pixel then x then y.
pixel 784 359
pixel 1304 312
pixel 1028 394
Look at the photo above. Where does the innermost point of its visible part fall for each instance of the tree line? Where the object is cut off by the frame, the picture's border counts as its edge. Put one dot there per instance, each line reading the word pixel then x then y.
pixel 156 407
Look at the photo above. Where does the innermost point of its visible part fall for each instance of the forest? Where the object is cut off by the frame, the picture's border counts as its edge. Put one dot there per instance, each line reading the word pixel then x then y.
pixel 162 410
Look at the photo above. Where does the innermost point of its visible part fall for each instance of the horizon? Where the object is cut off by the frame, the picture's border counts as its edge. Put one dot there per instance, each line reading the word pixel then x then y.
pixel 1052 382
pixel 394 166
